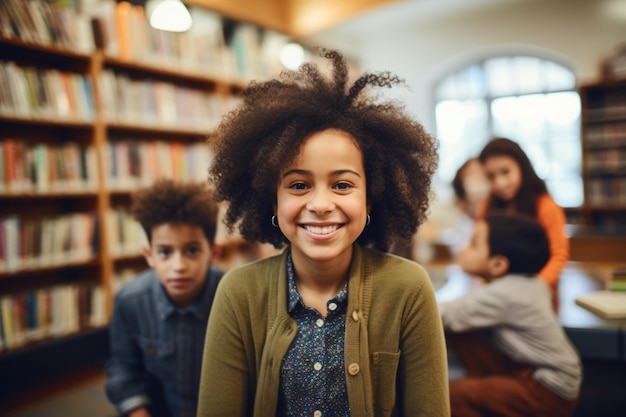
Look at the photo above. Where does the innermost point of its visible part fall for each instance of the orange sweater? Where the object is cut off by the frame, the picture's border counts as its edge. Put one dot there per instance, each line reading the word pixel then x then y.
pixel 551 217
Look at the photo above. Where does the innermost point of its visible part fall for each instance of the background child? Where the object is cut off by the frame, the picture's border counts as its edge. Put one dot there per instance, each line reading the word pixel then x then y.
pixel 529 367
pixel 471 190
pixel 330 327
pixel 516 188
pixel 159 319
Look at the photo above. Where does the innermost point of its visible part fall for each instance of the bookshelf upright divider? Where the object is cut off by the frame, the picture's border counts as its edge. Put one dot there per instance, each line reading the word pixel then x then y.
pixel 104 204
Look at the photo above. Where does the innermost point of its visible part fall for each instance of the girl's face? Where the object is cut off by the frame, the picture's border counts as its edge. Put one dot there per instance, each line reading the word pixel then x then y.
pixel 504 175
pixel 321 200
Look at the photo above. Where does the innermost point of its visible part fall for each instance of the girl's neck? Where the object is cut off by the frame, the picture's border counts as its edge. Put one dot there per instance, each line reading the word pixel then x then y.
pixel 321 276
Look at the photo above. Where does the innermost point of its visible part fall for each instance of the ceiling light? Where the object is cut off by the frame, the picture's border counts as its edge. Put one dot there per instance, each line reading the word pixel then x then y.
pixel 292 56
pixel 168 15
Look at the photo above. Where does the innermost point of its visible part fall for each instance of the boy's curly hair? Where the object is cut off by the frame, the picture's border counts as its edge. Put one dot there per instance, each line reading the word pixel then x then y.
pixel 263 135
pixel 169 201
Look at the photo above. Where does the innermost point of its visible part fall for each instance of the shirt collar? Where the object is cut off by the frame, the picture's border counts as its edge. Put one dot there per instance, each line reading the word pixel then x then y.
pixel 294 295
pixel 165 306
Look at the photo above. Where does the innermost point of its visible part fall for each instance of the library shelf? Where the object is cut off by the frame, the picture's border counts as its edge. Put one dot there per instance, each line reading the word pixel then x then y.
pixel 603 130
pixel 31 202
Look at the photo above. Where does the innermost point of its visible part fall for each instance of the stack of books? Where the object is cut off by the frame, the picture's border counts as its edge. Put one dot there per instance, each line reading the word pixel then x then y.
pixel 610 303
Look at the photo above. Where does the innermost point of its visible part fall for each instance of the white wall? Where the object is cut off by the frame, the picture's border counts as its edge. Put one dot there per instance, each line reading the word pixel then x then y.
pixel 420 48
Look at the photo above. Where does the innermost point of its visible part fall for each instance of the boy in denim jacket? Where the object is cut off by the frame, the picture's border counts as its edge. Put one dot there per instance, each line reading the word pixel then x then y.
pixel 160 317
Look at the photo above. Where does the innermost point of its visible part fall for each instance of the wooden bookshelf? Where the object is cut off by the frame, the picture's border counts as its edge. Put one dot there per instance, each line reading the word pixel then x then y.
pixel 604 154
pixel 71 153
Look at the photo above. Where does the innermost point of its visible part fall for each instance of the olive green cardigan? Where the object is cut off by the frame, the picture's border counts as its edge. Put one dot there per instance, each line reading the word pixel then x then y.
pixel 394 346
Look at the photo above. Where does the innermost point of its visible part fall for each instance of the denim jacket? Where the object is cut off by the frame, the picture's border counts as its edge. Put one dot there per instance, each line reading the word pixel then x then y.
pixel 156 348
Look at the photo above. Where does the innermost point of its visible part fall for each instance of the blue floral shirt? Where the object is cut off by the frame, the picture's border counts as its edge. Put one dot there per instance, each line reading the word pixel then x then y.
pixel 313 381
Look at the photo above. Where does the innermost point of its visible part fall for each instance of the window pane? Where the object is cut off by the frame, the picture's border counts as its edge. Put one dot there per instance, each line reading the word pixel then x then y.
pixel 558 77
pixel 519 117
pixel 562 110
pixel 566 193
pixel 462 130
pixel 528 74
pixel 471 83
pixel 498 76
pixel 525 99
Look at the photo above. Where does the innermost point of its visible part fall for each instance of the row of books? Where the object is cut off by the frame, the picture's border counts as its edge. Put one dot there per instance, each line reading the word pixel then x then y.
pixel 158 103
pixel 27 167
pixel 606 161
pixel 606 135
pixel 49 312
pixel 618 280
pixel 44 93
pixel 47 22
pixel 48 241
pixel 125 235
pixel 606 191
pixel 132 164
pixel 245 54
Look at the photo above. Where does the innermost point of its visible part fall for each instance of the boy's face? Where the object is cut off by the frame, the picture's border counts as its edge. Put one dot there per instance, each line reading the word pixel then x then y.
pixel 181 255
pixel 474 258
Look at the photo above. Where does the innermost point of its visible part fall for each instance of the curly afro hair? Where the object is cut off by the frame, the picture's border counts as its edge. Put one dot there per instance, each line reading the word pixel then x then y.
pixel 169 201
pixel 263 135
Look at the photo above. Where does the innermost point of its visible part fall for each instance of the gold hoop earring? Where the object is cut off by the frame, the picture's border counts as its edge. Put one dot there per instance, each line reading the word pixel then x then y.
pixel 274 221
pixel 368 220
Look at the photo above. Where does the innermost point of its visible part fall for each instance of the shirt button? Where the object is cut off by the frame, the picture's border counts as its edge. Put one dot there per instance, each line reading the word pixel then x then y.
pixel 317 366
pixel 355 315
pixel 317 413
pixel 354 368
pixel 319 322
pixel 332 306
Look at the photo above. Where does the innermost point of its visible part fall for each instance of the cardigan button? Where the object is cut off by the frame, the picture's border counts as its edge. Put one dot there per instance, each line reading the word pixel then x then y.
pixel 355 315
pixel 353 369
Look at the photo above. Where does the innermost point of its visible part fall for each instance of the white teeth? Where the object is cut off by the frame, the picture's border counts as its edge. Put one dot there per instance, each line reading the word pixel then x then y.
pixel 321 230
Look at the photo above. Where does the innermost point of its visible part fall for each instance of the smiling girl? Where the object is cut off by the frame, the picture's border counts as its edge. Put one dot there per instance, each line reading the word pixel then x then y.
pixel 334 325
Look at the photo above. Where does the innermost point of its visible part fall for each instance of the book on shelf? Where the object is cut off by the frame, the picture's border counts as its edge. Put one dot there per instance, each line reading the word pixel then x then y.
pixel 151 102
pixel 42 168
pixel 607 304
pixel 60 23
pixel 131 164
pixel 45 93
pixel 126 236
pixel 52 311
pixel 45 242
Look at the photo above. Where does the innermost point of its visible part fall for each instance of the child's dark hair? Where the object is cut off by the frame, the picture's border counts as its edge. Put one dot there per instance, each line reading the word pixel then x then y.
pixel 532 186
pixel 169 201
pixel 520 239
pixel 256 140
pixel 457 182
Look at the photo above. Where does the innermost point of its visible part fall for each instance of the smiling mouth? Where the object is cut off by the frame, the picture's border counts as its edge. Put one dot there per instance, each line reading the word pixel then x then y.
pixel 320 230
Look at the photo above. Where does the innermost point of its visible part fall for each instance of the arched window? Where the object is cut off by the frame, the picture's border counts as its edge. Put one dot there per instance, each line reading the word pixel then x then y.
pixel 530 100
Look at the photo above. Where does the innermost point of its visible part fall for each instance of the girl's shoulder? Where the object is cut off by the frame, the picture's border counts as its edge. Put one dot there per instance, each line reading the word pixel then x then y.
pixel 546 205
pixel 255 273
pixel 392 268
pixel 546 199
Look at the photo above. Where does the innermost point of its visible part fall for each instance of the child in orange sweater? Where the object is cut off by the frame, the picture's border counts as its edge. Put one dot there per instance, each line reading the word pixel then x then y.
pixel 516 188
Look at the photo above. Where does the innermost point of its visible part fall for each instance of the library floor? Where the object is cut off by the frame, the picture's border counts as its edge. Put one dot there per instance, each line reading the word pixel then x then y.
pixel 78 395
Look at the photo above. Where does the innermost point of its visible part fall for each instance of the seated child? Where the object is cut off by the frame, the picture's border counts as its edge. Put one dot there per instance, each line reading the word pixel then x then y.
pixel 160 317
pixel 517 357
pixel 471 190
